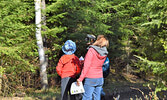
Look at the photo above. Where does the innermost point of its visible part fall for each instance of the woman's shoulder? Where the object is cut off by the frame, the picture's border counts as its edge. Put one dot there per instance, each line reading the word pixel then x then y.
pixel 92 50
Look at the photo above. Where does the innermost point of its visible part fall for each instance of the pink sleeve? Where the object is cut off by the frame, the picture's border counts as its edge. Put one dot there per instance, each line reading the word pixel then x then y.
pixel 87 64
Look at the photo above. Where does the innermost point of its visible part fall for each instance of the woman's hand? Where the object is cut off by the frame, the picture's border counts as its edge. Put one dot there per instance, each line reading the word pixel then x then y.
pixel 78 82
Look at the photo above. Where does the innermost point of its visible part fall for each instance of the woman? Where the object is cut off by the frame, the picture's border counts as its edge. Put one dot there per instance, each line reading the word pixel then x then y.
pixel 68 68
pixel 92 69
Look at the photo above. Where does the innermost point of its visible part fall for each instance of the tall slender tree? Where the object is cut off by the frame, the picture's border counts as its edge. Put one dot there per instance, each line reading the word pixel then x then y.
pixel 43 64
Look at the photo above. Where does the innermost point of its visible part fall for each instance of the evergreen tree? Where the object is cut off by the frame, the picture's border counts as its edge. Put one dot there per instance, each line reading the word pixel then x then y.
pixel 68 19
pixel 133 27
pixel 18 51
pixel 152 39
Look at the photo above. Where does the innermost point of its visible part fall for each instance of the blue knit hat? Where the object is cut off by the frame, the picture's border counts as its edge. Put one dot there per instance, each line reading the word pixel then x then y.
pixel 69 47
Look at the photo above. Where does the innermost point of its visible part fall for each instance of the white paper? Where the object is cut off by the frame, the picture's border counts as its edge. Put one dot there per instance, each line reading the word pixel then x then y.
pixel 81 58
pixel 75 89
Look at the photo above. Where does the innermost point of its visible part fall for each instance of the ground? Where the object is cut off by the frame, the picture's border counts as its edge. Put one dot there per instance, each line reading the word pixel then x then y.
pixel 122 86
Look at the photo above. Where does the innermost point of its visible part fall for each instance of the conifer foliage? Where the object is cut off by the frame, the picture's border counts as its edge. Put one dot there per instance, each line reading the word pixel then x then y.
pixel 18 51
pixel 136 29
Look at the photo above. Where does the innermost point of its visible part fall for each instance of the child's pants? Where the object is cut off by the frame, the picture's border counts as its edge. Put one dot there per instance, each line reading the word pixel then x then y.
pixel 65 88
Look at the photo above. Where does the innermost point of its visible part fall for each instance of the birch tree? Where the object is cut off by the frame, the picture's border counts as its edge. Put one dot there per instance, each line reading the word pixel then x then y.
pixel 43 64
pixel 44 30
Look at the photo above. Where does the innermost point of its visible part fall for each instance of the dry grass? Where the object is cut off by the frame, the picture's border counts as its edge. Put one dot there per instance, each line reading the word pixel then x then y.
pixel 16 98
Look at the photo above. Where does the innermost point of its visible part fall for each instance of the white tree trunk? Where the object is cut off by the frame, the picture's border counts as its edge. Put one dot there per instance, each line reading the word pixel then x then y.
pixel 43 64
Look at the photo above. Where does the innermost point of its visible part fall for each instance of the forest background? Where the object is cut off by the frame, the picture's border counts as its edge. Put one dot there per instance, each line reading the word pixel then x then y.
pixel 136 29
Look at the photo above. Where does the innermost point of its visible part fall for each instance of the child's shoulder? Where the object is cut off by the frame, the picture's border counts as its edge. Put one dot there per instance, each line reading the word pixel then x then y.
pixel 68 56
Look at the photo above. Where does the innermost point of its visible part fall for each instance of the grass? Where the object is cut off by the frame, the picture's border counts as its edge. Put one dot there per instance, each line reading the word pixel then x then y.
pixel 50 94
pixel 114 83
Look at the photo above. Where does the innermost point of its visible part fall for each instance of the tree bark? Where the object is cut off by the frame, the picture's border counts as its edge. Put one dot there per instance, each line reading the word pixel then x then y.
pixel 1 79
pixel 43 64
pixel 128 67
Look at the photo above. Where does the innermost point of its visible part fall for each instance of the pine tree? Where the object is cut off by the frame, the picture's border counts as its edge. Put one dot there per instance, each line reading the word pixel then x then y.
pixel 152 40
pixel 18 50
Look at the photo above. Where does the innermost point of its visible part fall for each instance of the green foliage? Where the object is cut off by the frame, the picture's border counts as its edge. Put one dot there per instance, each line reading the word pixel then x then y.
pixel 17 48
pixel 133 27
pixel 73 20
pixel 2 71
pixel 142 31
pixel 159 70
pixel 155 22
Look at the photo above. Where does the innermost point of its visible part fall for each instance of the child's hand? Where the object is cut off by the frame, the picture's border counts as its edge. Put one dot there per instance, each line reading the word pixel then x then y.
pixel 81 62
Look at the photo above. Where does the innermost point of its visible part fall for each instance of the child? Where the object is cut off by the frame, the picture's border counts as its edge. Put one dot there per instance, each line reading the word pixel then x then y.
pixel 106 71
pixel 68 68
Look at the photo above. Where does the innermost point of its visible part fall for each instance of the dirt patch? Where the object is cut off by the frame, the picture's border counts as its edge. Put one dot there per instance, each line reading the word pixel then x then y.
pixel 126 86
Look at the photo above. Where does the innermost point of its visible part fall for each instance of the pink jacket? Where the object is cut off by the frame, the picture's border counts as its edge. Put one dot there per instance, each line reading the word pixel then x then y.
pixel 92 65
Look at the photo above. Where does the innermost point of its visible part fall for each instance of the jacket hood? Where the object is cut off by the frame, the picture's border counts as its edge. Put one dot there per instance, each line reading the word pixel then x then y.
pixel 101 52
pixel 66 58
